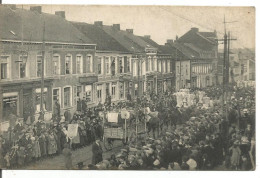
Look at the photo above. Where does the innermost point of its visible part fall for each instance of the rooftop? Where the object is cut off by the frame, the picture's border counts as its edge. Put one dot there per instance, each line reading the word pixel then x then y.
pixel 20 24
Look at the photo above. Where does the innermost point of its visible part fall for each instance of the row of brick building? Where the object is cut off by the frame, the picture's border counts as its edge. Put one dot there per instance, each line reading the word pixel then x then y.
pixel 92 61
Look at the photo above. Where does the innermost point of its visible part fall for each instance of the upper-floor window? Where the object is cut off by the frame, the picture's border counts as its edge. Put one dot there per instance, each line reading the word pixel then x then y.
pixel 135 68
pixel 113 65
pixel 79 64
pixel 56 64
pixel 154 63
pixel 89 63
pixel 143 71
pixel 68 64
pixel 160 66
pixel 186 69
pixel 39 66
pixel 164 67
pixel 149 64
pixel 5 67
pixel 121 65
pixel 100 65
pixel 23 67
pixel 168 66
pixel 107 65
pixel 128 65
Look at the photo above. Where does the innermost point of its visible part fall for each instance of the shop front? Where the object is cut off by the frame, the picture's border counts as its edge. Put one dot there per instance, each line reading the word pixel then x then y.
pixel 23 100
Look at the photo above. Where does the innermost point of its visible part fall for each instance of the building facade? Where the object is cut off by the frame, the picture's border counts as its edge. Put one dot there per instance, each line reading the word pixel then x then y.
pixel 68 59
pixel 201 49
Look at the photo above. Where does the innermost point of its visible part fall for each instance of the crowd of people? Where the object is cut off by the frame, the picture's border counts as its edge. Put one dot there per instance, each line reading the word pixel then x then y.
pixel 26 142
pixel 189 138
pixel 207 140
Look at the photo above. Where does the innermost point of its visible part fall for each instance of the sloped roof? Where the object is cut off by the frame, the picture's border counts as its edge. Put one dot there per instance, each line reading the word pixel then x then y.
pixel 28 25
pixel 100 37
pixel 149 41
pixel 130 41
pixel 208 34
pixel 203 40
pixel 166 49
pixel 186 51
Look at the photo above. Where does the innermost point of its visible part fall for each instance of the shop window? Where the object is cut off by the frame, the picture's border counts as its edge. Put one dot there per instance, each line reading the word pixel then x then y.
pixel 9 105
pixel 122 89
pixel 67 97
pixel 99 92
pixel 38 99
pixel 88 92
pixel 113 92
pixel 136 89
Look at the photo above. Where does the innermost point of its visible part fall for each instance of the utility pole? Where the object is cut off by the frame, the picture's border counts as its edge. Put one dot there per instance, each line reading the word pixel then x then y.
pixel 42 72
pixel 225 84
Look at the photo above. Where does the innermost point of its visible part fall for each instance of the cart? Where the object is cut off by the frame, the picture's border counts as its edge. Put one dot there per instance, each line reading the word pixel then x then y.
pixel 124 130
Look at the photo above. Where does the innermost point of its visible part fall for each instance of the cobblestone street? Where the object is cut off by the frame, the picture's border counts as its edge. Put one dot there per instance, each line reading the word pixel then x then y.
pixel 80 155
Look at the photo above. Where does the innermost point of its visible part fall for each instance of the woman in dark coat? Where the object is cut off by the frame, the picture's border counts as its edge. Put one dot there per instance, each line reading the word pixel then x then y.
pixel 43 145
pixel 67 156
pixel 97 152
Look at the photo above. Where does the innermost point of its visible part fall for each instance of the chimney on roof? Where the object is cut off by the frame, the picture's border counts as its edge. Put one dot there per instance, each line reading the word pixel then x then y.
pixel 170 41
pixel 147 36
pixel 60 13
pixel 130 30
pixel 116 26
pixel 176 37
pixel 98 23
pixel 36 9
pixel 215 32
pixel 194 29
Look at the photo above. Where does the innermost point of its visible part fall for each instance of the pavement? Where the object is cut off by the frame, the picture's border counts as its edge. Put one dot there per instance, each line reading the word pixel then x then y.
pixel 80 155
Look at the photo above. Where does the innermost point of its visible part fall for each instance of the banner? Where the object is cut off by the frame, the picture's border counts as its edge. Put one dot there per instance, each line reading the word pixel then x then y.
pixel 125 115
pixel 4 126
pixel 72 130
pixel 154 114
pixel 112 117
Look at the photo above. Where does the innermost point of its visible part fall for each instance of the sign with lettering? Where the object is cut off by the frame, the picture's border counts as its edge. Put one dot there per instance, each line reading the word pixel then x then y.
pixel 72 130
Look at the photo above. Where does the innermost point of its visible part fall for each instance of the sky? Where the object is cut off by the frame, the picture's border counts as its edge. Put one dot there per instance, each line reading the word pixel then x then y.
pixel 165 22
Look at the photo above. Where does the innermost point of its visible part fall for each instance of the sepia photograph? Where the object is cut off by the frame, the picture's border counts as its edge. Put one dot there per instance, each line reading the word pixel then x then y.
pixel 120 87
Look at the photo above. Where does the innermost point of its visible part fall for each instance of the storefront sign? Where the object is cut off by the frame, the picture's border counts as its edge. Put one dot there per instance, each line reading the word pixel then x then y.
pixel 88 80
